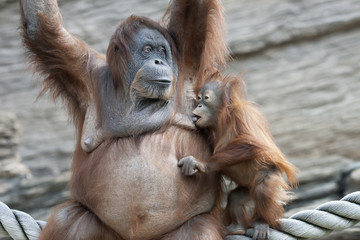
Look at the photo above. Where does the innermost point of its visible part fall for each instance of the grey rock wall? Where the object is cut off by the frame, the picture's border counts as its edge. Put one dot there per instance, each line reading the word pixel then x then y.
pixel 300 61
pixel 12 171
pixel 10 161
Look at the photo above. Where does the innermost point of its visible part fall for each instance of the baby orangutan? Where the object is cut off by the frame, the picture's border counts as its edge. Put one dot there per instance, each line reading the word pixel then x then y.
pixel 245 152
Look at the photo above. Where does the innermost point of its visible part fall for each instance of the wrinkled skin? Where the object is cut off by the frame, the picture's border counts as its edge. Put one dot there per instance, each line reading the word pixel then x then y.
pixel 126 188
pixel 208 105
pixel 149 102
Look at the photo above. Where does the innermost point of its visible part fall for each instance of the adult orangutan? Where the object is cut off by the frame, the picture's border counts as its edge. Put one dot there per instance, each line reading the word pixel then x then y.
pixel 125 182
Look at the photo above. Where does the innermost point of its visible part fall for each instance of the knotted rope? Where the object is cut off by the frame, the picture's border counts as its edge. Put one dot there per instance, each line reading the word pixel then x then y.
pixel 334 215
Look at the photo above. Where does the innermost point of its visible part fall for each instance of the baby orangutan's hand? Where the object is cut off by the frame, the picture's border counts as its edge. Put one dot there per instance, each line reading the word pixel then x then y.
pixel 189 166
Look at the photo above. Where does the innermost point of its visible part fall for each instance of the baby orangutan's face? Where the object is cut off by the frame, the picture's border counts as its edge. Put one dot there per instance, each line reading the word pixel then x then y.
pixel 209 103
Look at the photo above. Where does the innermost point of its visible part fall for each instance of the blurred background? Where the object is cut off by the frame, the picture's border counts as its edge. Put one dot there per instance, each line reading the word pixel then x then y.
pixel 299 59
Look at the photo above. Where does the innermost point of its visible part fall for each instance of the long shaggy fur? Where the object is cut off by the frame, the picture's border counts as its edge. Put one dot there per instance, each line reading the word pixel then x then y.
pixel 48 54
pixel 200 28
pixel 240 124
pixel 245 151
pixel 71 71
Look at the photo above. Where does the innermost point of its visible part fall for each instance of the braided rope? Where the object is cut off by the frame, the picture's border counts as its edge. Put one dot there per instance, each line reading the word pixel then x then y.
pixel 18 225
pixel 334 215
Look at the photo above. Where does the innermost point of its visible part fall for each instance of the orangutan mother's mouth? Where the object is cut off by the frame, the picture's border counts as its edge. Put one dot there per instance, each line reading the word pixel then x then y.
pixel 161 81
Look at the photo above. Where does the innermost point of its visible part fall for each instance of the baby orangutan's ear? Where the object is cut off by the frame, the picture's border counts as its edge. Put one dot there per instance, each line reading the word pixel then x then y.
pixel 234 90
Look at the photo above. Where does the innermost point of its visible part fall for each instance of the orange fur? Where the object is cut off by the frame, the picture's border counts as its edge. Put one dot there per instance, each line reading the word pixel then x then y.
pixel 198 228
pixel 245 151
pixel 73 215
pixel 202 47
pixel 54 47
pixel 71 72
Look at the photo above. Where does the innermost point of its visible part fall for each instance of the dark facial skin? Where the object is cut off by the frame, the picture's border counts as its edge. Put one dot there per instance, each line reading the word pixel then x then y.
pixel 148 101
pixel 129 187
pixel 151 78
pixel 151 73
pixel 209 102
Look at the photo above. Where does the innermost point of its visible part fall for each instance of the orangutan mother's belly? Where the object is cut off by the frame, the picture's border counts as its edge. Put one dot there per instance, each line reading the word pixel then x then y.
pixel 140 191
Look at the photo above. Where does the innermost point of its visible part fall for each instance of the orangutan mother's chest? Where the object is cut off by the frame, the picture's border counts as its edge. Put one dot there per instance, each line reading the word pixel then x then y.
pixel 145 184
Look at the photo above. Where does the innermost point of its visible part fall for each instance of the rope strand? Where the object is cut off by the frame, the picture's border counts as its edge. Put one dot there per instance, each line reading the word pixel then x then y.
pixel 18 225
pixel 334 215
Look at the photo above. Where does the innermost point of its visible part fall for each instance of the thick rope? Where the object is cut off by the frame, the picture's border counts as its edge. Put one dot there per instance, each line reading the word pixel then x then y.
pixel 334 215
pixel 18 225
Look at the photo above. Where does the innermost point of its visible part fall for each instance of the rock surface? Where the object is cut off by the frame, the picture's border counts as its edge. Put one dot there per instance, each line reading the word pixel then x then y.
pixel 12 171
pixel 300 61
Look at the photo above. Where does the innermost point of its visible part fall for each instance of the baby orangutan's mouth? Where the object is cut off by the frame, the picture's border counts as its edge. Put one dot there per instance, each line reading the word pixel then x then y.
pixel 196 118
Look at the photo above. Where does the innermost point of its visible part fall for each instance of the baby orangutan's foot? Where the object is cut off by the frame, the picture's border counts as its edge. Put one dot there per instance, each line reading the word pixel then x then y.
pixel 261 231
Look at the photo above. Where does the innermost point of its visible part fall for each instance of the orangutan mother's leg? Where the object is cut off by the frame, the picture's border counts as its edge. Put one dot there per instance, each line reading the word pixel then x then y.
pixel 73 221
pixel 204 227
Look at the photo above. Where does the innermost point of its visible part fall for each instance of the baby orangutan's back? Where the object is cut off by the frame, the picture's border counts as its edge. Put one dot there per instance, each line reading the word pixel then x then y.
pixel 244 151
